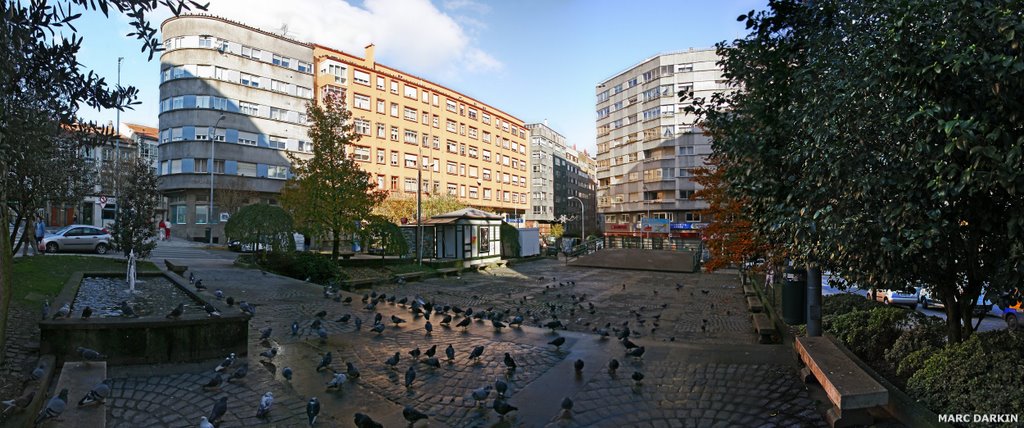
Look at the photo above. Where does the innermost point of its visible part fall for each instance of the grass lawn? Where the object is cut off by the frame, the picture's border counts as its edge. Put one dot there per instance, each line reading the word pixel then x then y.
pixel 45 275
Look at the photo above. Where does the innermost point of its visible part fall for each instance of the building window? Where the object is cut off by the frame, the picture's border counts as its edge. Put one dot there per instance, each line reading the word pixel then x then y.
pixel 249 80
pixel 394 109
pixel 436 143
pixel 278 172
pixel 380 83
pixel 361 101
pixel 486 174
pixel 381 159
pixel 410 185
pixel 361 77
pixel 282 61
pixel 246 138
pixel 381 131
pixel 394 133
pixel 462 190
pixel 277 143
pixel 450 125
pixel 450 106
pixel 410 136
pixel 361 154
pixel 452 147
pixel 304 67
pixel 410 160
pixel 487 155
pixel 487 194
pixel 452 188
pixel 472 132
pixel 394 182
pixel 394 87
pixel 247 169
pixel 362 126
pixel 473 192
pixel 394 158
pixel 452 167
pixel 410 114
pixel 205 41
pixel 248 108
pixel 410 92
pixel 276 113
pixel 473 171
pixel 472 113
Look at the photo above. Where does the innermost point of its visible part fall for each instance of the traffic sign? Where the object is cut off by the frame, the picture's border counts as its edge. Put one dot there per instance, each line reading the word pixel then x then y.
pixel 103 202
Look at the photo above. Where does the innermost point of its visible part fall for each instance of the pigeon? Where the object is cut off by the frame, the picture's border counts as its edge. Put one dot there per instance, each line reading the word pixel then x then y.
pixel 176 312
pixel 429 327
pixel 578 365
pixel 628 344
pixel 510 362
pixel 638 377
pixel 344 318
pixel 211 311
pixel 412 415
pixel 97 395
pixel 431 351
pixel 500 387
pixel 481 394
pixel 325 361
pixel 503 408
pixel 320 314
pixel 613 365
pixel 558 342
pixel 432 362
pixel 230 301
pixel 359 324
pixel 86 313
pixel 38 372
pixel 265 333
pixel 219 409
pixel 636 352
pixel 312 410
pixel 337 381
pixel 464 323
pixel 322 334
pixel 240 372
pixel 410 376
pixel 199 285
pixel 516 321
pixel 364 421
pixel 553 325
pixel 287 373
pixel 218 293
pixel 226 363
pixel 449 352
pixel 214 383
pixel 397 320
pixel 18 403
pixel 351 370
pixel 247 308
pixel 415 353
pixel 63 312
pixel 446 321
pixel 46 309
pixel 315 325
pixel 347 300
pixel 377 328
pixel 567 404
pixel 204 422
pixel 127 310
pixel 476 352
pixel 393 361
pixel 269 354
pixel 90 354
pixel 265 403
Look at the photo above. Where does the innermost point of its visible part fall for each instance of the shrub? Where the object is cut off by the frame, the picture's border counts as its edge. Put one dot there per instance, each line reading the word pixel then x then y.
pixel 838 304
pixel 311 267
pixel 924 336
pixel 869 333
pixel 981 375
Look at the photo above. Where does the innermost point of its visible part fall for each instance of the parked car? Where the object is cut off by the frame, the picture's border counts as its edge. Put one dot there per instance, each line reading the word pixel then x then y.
pixel 893 297
pixel 982 306
pixel 248 247
pixel 77 237
pixel 1012 309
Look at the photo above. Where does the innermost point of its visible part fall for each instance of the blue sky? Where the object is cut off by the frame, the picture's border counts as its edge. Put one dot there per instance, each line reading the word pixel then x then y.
pixel 536 59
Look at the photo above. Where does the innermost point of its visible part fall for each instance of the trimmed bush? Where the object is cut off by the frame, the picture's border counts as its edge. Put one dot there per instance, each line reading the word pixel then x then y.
pixel 982 375
pixel 870 333
pixel 317 268
pixel 838 304
pixel 925 336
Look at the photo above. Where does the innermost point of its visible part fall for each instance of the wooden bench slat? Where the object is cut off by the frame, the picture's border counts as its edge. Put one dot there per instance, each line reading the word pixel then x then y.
pixel 847 385
pixel 764 327
pixel 754 304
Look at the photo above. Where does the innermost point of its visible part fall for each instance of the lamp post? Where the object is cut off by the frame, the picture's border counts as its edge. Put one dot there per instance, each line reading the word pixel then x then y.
pixel 583 219
pixel 209 165
pixel 117 144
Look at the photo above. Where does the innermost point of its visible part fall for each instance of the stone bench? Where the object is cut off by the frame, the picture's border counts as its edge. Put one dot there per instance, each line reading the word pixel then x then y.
pixel 748 290
pixel 176 268
pixel 765 328
pixel 346 255
pixel 448 271
pixel 79 377
pixel 851 390
pixel 755 304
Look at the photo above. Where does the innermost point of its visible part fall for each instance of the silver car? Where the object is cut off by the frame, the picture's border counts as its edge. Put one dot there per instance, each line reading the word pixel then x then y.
pixel 77 237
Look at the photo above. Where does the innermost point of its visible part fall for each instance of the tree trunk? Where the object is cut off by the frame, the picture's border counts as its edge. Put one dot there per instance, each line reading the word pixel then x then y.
pixel 953 328
pixel 6 262
pixel 335 244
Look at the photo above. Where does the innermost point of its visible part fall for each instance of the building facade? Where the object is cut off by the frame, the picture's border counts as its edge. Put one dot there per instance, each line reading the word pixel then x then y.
pixel 647 147
pixel 232 101
pixel 558 174
pixel 410 127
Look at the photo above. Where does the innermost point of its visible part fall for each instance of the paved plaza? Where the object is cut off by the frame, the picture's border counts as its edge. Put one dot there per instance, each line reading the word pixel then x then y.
pixel 702 366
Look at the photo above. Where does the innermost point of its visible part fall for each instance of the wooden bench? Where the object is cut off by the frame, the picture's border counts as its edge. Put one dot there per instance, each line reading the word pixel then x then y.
pixel 748 290
pixel 178 269
pixel 346 255
pixel 350 283
pixel 79 378
pixel 764 327
pixel 411 276
pixel 448 271
pixel 850 389
pixel 755 304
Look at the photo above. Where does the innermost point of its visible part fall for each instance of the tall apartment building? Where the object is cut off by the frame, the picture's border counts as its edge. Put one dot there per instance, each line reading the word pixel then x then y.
pixel 463 147
pixel 647 147
pixel 558 173
pixel 235 95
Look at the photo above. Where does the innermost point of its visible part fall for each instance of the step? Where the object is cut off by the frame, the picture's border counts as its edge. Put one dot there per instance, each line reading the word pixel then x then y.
pixel 79 377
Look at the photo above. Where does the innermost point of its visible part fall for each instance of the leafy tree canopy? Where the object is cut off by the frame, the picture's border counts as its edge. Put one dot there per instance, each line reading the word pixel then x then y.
pixel 137 202
pixel 398 206
pixel 270 226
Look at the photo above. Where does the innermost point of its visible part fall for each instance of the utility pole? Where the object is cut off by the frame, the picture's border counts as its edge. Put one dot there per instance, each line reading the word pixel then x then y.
pixel 117 145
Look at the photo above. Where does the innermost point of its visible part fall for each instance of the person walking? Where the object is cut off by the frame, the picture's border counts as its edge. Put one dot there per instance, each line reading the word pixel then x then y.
pixel 167 229
pixel 40 234
pixel 162 229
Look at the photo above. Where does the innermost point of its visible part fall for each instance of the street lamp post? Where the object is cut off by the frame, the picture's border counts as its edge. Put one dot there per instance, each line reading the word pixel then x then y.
pixel 583 220
pixel 209 165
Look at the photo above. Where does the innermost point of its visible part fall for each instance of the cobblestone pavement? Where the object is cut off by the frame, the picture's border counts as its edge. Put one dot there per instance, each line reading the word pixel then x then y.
pixel 715 376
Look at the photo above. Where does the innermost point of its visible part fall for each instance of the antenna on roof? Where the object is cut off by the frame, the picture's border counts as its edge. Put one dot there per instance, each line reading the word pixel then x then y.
pixel 283 31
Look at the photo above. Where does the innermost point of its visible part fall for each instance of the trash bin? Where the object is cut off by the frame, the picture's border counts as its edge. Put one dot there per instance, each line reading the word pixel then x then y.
pixel 794 296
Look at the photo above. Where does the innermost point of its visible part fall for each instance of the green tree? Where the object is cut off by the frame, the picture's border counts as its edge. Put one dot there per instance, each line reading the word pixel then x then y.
pixel 382 232
pixel 263 227
pixel 329 193
pixel 43 85
pixel 398 206
pixel 882 140
pixel 557 230
pixel 136 209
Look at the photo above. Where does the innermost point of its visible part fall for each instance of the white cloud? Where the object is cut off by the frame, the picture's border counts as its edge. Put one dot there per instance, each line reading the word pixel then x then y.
pixel 412 35
pixel 469 5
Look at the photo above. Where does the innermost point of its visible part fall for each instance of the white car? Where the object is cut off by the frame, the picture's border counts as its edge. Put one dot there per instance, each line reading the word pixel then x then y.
pixel 893 297
pixel 982 306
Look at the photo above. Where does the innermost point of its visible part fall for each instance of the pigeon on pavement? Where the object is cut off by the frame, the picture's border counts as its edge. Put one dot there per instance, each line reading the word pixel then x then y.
pixel 337 381
pixel 558 342
pixel 204 422
pixel 265 404
pixel 364 421
pixel 476 352
pixel 176 312
pixel 287 373
pixel 39 371
pixel 449 352
pixel 86 313
pixel 510 362
pixel 90 354
pixel 240 372
pixel 226 363
pixel 127 310
pixel 214 383
pixel 393 361
pixel 325 361
pixel 269 354
pixel 265 333
pixel 412 415
pixel 351 370
pixel 481 394
pixel 63 312
pixel 312 410
pixel 431 351
pixel 578 365
pixel 219 409
pixel 18 403
pixel 500 387
pixel 410 376
pixel 97 395
pixel 503 408
pixel 613 365
pixel 638 377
